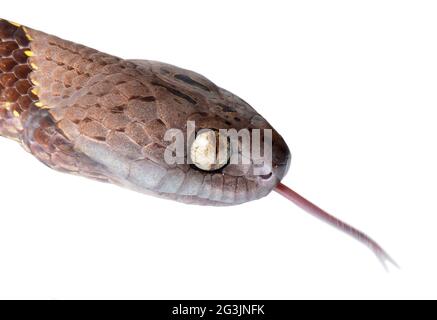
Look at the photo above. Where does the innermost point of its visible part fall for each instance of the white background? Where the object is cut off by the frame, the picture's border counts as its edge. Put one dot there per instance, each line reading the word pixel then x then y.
pixel 351 86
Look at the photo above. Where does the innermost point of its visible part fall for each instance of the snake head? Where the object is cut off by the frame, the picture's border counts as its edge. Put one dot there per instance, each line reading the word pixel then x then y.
pixel 216 149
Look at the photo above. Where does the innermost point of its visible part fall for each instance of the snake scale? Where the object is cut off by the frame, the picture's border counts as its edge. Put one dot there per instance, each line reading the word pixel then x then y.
pixel 85 112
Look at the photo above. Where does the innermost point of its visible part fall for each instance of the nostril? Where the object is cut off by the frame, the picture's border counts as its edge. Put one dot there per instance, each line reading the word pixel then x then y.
pixel 267 176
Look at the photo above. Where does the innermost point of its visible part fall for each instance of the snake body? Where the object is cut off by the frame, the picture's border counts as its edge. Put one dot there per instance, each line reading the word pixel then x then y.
pixel 84 112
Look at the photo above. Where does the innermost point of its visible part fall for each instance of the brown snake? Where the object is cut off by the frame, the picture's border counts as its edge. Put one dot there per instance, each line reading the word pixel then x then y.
pixel 92 114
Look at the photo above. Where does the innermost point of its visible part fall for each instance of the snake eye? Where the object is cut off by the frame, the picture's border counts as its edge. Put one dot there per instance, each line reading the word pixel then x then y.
pixel 210 150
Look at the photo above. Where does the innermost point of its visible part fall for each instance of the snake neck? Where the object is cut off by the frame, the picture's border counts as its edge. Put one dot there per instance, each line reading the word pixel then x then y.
pixel 16 89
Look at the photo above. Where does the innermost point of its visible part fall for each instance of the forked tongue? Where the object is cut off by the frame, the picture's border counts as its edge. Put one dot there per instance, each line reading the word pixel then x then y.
pixel 333 221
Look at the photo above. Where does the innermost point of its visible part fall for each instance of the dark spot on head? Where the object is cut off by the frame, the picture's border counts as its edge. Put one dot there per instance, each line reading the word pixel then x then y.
pixel 100 138
pixel 176 92
pixel 228 123
pixel 237 119
pixel 148 99
pixel 118 109
pixel 226 108
pixel 164 70
pixel 188 80
pixel 159 121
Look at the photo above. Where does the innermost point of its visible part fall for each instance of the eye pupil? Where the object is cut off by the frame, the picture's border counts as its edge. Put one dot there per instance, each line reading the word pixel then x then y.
pixel 210 150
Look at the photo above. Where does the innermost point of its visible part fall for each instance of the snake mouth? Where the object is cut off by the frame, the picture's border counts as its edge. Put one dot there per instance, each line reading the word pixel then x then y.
pixel 267 176
pixel 281 170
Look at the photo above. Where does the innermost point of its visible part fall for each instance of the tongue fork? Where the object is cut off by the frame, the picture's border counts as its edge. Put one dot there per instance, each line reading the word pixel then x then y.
pixel 333 221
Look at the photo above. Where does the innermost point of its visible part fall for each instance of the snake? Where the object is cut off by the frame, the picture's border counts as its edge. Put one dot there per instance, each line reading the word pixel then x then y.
pixel 84 112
